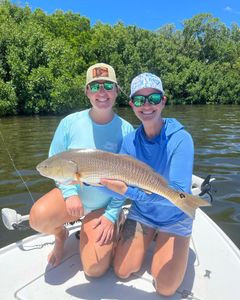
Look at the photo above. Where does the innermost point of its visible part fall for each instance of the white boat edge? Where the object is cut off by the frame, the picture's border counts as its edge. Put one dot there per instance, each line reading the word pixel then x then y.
pixel 212 274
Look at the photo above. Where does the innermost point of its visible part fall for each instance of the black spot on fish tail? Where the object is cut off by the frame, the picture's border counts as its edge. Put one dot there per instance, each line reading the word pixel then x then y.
pixel 182 195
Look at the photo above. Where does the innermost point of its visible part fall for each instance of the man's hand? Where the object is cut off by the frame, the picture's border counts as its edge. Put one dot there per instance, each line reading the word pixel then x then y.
pixel 115 185
pixel 74 206
pixel 105 230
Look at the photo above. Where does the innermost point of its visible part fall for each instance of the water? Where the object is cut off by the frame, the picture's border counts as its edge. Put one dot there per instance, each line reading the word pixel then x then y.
pixel 216 134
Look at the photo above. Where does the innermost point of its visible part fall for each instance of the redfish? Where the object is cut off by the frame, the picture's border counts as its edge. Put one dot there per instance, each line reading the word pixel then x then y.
pixel 91 165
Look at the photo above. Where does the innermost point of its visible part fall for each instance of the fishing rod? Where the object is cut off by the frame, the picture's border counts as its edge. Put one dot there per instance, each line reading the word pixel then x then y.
pixel 11 219
pixel 14 166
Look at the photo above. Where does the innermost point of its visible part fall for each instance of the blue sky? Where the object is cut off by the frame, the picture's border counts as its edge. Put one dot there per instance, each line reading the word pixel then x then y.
pixel 150 14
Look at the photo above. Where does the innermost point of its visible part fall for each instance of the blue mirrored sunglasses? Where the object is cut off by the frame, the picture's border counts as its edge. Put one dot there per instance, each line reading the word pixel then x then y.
pixel 95 86
pixel 140 100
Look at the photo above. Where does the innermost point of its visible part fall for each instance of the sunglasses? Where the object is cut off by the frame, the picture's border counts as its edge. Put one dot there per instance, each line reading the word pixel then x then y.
pixel 140 100
pixel 95 86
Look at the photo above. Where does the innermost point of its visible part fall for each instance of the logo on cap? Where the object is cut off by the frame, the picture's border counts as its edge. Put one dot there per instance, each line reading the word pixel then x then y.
pixel 100 72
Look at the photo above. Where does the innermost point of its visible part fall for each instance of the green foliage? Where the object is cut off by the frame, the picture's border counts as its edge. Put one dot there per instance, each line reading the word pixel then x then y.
pixel 68 95
pixel 44 58
pixel 39 86
pixel 8 99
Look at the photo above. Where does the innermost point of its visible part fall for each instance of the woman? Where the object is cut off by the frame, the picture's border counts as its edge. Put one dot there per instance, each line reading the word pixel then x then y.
pixel 168 148
pixel 98 127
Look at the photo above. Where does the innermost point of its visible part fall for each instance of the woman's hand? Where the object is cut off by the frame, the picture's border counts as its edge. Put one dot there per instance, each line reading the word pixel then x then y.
pixel 116 186
pixel 105 230
pixel 74 206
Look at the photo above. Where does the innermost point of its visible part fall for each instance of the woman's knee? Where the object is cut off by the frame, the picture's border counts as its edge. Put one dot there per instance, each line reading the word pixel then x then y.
pixel 95 270
pixel 46 210
pixel 94 261
pixel 38 214
pixel 166 286
pixel 121 272
pixel 124 269
pixel 165 290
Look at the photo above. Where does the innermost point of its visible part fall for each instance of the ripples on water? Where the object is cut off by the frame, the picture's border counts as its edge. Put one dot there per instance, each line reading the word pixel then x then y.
pixel 216 135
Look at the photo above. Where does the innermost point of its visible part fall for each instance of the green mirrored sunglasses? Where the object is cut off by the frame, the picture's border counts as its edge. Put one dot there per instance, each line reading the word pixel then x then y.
pixel 140 100
pixel 95 86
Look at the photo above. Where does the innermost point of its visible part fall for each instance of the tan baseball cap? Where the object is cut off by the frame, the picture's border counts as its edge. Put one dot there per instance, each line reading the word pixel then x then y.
pixel 100 71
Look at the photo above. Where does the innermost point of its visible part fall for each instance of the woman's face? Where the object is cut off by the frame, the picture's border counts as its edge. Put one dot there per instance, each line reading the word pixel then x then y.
pixel 148 112
pixel 100 96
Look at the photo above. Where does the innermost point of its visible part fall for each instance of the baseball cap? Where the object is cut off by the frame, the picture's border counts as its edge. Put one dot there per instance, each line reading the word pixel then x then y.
pixel 146 80
pixel 100 71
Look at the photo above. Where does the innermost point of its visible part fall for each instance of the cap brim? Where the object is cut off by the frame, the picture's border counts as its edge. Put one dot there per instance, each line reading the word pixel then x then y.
pixel 101 78
pixel 146 88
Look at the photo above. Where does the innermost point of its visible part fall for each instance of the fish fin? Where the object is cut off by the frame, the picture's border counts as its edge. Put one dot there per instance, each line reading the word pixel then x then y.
pixel 65 182
pixel 95 184
pixel 147 192
pixel 90 183
pixel 78 177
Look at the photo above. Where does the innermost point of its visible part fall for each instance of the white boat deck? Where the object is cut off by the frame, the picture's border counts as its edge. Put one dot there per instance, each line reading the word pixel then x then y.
pixel 213 271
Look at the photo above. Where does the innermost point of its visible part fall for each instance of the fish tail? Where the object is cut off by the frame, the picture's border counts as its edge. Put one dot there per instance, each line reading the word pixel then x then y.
pixel 186 202
pixel 190 203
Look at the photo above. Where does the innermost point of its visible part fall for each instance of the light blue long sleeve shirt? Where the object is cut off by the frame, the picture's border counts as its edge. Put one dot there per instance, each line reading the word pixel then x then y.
pixel 77 130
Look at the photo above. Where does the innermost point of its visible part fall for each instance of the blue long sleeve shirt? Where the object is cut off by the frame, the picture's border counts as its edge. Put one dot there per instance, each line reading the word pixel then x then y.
pixel 171 154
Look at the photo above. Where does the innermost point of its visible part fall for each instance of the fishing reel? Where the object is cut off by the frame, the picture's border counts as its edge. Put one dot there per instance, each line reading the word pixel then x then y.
pixel 12 220
pixel 206 188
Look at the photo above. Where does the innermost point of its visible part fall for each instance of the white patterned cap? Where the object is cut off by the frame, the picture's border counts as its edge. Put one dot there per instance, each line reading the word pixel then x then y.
pixel 146 80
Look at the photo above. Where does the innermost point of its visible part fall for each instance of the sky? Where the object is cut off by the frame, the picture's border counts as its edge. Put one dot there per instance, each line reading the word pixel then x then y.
pixel 150 14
